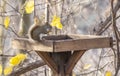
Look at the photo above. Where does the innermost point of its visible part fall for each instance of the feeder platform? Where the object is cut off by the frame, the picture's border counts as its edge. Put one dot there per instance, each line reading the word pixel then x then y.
pixel 62 52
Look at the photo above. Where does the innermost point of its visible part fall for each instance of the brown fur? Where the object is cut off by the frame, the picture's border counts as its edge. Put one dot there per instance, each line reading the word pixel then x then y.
pixel 36 30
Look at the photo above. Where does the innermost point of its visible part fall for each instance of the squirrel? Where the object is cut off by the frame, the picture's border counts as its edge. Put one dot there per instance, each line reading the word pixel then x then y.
pixel 36 31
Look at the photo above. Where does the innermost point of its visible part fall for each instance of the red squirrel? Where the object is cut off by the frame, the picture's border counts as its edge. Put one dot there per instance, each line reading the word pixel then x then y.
pixel 36 31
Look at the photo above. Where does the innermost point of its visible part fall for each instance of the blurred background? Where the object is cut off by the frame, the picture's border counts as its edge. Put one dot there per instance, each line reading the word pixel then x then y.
pixel 88 17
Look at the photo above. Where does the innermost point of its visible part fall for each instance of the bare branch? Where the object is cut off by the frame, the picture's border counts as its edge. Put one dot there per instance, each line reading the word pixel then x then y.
pixel 104 24
pixel 11 29
pixel 116 36
pixel 27 68
pixel 93 70
pixel 100 58
pixel 106 27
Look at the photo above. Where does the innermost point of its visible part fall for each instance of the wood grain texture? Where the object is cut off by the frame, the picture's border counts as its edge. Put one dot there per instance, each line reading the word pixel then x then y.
pixel 48 60
pixel 27 44
pixel 82 44
pixel 73 61
pixel 62 43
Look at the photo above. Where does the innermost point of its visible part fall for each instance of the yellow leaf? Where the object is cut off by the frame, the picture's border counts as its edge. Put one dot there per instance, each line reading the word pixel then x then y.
pixel 8 70
pixel 57 19
pixel 21 56
pixel 6 22
pixel 0 69
pixel 14 61
pixel 29 8
pixel 87 66
pixel 108 73
pixel 56 22
pixel 53 23
pixel 59 25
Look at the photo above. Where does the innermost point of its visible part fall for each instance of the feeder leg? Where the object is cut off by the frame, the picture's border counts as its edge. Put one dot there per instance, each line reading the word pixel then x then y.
pixel 73 60
pixel 61 59
pixel 48 60
pixel 61 63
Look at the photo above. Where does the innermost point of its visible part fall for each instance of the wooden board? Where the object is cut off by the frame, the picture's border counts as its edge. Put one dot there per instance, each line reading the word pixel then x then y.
pixel 82 44
pixel 73 61
pixel 48 60
pixel 62 43
pixel 29 45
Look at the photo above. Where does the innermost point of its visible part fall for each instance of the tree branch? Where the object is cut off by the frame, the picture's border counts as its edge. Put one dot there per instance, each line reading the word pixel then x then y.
pixel 106 27
pixel 116 36
pixel 93 70
pixel 27 68
pixel 104 24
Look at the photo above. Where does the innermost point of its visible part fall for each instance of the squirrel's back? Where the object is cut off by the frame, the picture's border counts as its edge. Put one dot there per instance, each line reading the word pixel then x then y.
pixel 36 30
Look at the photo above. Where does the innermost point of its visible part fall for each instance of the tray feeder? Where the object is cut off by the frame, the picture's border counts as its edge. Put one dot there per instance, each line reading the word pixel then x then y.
pixel 62 52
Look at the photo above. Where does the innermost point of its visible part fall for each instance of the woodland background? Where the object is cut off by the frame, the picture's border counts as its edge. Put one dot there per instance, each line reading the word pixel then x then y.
pixel 90 17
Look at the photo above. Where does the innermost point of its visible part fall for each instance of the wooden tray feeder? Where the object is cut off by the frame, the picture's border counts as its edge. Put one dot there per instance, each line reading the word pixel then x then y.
pixel 62 52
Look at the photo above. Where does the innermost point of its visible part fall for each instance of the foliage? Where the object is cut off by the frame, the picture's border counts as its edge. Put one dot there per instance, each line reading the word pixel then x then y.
pixel 6 22
pixel 7 70
pixel 29 8
pixel 108 73
pixel 80 13
pixel 14 61
pixel 56 22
